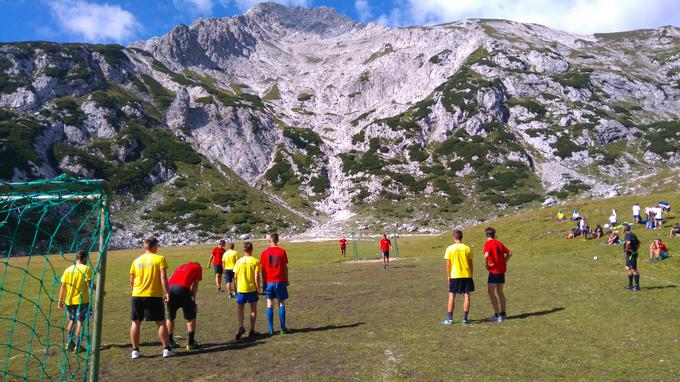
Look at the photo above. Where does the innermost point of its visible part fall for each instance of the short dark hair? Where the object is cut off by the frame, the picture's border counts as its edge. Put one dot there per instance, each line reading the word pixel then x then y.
pixel 626 227
pixel 150 242
pixel 274 237
pixel 457 234
pixel 490 232
pixel 82 256
pixel 248 247
pixel 231 245
pixel 222 242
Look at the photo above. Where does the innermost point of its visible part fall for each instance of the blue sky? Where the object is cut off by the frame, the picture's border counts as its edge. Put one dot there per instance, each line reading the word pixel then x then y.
pixel 123 21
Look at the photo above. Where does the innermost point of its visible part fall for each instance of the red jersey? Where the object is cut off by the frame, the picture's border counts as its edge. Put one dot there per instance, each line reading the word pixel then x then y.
pixel 186 274
pixel 385 245
pixel 496 260
pixel 663 248
pixel 273 260
pixel 343 243
pixel 217 253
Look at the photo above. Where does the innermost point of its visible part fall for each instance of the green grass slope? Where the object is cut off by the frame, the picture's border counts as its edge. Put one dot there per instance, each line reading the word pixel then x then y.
pixel 570 318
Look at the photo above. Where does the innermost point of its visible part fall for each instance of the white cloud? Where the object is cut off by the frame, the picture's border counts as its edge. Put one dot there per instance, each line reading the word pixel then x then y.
pixel 363 9
pixel 94 22
pixel 195 7
pixel 247 4
pixel 580 16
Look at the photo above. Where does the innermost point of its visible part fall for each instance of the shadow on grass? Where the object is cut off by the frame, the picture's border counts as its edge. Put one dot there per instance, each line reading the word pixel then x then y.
pixel 214 348
pixel 539 313
pixel 128 345
pixel 660 287
pixel 324 328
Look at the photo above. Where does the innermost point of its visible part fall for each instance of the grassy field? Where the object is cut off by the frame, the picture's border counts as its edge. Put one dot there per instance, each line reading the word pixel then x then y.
pixel 570 317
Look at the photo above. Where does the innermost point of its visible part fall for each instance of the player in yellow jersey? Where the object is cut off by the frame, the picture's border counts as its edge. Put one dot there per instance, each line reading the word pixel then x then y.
pixel 247 280
pixel 459 274
pixel 228 262
pixel 74 294
pixel 149 283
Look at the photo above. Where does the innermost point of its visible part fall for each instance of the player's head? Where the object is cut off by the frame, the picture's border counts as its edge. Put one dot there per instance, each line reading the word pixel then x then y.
pixel 658 241
pixel 82 256
pixel 151 244
pixel 248 247
pixel 490 232
pixel 274 237
pixel 231 245
pixel 626 228
pixel 458 234
pixel 222 243
pixel 384 236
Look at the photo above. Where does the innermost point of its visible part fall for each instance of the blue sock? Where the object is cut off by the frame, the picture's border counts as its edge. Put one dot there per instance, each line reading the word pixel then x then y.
pixel 449 316
pixel 270 319
pixel 282 316
pixel 465 315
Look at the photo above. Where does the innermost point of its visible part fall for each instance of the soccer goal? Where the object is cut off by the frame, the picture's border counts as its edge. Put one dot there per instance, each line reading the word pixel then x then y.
pixel 366 246
pixel 43 224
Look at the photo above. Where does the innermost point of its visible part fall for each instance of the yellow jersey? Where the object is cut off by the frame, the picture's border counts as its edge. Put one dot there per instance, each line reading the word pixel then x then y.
pixel 147 272
pixel 229 259
pixel 460 256
pixel 76 279
pixel 245 271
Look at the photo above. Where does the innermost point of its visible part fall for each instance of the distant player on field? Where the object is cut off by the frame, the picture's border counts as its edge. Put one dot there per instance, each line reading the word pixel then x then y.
pixel 274 261
pixel 149 280
pixel 183 289
pixel 74 293
pixel 385 247
pixel 228 262
pixel 247 279
pixel 459 274
pixel 343 246
pixel 216 261
pixel 496 256
pixel 630 248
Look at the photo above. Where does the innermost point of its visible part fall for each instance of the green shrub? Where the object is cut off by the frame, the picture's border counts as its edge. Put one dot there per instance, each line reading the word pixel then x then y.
pixel 302 97
pixel 320 184
pixel 564 147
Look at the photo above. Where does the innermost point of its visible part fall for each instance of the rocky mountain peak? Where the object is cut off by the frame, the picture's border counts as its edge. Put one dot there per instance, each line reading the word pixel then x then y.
pixel 322 21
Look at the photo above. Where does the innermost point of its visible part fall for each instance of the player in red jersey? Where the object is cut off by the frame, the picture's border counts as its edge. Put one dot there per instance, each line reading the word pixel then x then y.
pixel 183 288
pixel 385 247
pixel 343 246
pixel 274 261
pixel 496 256
pixel 216 261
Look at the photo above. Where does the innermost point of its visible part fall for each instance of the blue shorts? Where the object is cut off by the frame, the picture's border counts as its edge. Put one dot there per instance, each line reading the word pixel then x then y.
pixel 246 298
pixel 277 291
pixel 218 269
pixel 386 254
pixel 636 216
pixel 496 278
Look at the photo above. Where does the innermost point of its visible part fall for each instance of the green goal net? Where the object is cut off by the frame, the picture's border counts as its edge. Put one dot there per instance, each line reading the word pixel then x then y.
pixel 43 224
pixel 366 246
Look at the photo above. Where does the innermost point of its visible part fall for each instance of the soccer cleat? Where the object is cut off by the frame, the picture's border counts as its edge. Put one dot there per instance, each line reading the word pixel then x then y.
pixel 253 333
pixel 193 346
pixel 71 346
pixel 219 289
pixel 284 331
pixel 79 349
pixel 447 322
pixel 629 287
pixel 231 296
pixel 174 344
pixel 136 354
pixel 502 317
pixel 168 353
pixel 494 318
pixel 636 288
pixel 464 321
pixel 240 333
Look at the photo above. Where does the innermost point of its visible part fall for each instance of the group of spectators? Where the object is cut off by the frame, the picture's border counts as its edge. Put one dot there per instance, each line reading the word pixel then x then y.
pixel 652 217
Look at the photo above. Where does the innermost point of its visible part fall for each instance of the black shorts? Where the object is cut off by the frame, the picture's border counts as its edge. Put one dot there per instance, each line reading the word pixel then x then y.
pixel 631 260
pixel 229 275
pixel 181 297
pixel 386 254
pixel 496 278
pixel 147 309
pixel 77 312
pixel 460 286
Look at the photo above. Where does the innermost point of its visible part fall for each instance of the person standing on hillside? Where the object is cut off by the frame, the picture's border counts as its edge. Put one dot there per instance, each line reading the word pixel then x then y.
pixel 343 246
pixel 636 213
pixel 247 280
pixel 631 244
pixel 216 261
pixel 183 289
pixel 228 261
pixel 665 208
pixel 385 247
pixel 496 256
pixel 459 274
pixel 149 283
pixel 74 294
pixel 274 262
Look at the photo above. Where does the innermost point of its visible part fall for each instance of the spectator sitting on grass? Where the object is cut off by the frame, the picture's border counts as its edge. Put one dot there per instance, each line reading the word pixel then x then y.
pixel 614 238
pixel 575 216
pixel 574 232
pixel 560 216
pixel 598 232
pixel 658 251
pixel 675 231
